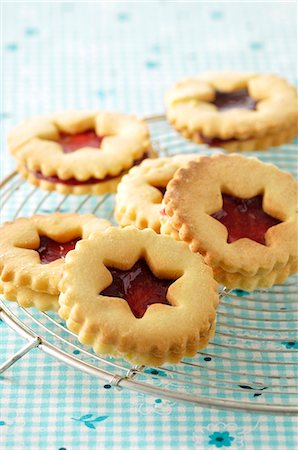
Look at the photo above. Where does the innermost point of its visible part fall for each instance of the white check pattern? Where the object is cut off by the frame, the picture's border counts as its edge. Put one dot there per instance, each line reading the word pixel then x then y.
pixel 123 56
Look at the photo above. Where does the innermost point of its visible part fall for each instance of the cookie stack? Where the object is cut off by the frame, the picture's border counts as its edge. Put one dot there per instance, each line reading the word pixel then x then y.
pixel 234 110
pixel 79 152
pixel 32 255
pixel 120 290
pixel 238 212
pixel 147 290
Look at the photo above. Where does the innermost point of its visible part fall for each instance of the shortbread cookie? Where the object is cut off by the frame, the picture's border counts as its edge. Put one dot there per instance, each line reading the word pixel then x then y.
pixel 234 110
pixel 27 298
pixel 238 212
pixel 140 193
pixel 79 152
pixel 139 295
pixel 32 254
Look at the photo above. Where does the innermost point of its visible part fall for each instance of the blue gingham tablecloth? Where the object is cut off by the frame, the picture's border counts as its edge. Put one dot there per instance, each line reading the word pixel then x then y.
pixel 123 56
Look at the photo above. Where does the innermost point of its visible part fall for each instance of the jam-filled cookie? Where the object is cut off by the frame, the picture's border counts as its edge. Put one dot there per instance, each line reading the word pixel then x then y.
pixel 140 193
pixel 240 214
pixel 137 294
pixel 234 110
pixel 27 297
pixel 79 152
pixel 32 252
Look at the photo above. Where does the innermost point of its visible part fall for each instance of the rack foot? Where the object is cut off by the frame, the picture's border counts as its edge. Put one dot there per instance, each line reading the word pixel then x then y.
pixel 18 355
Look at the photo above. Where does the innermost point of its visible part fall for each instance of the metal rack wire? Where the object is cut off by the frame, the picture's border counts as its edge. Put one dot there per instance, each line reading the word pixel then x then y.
pixel 250 364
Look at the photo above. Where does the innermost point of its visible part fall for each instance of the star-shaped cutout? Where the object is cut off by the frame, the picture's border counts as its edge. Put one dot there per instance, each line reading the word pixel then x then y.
pixel 50 250
pixel 72 142
pixel 236 99
pixel 245 218
pixel 139 287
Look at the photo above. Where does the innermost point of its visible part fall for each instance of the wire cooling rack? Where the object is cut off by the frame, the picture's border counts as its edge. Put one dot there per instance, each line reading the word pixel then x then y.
pixel 250 364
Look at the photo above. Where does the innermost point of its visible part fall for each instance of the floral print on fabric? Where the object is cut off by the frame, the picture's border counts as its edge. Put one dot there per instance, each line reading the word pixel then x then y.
pixel 221 439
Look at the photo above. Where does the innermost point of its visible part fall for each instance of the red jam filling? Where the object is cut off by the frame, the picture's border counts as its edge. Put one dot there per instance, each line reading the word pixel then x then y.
pixel 139 287
pixel 235 99
pixel 72 142
pixel 50 250
pixel 225 101
pixel 245 218
pixel 92 180
pixel 215 142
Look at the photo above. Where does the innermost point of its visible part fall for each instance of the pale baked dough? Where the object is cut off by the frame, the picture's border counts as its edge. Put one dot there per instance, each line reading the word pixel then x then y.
pixel 274 121
pixel 20 263
pixel 34 145
pixel 195 193
pixel 164 333
pixel 138 201
pixel 108 186
pixel 252 144
pixel 27 298
pixel 104 187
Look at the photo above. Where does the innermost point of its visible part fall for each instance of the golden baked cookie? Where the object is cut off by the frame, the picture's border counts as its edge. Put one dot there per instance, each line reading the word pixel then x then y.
pixel 27 297
pixel 234 110
pixel 79 152
pixel 140 193
pixel 240 214
pixel 32 252
pixel 139 295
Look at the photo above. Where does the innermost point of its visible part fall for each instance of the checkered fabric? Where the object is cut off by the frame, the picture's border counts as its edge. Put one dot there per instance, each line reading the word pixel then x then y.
pixel 123 56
